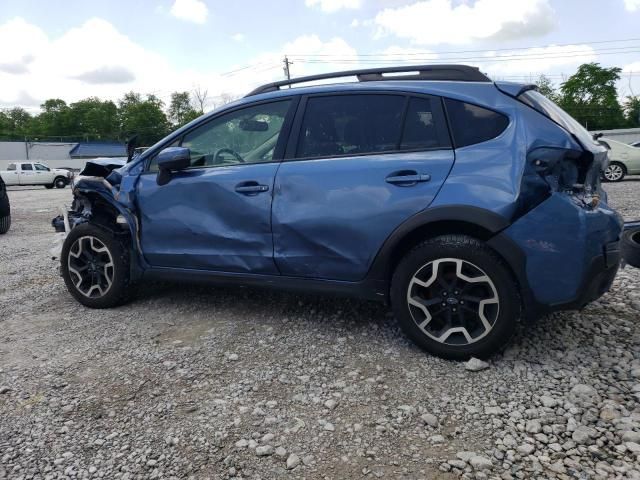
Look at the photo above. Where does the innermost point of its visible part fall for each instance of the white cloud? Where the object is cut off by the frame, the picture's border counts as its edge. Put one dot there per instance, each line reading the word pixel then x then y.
pixel 95 59
pixel 25 40
pixel 238 37
pixel 195 11
pixel 632 5
pixel 431 22
pixel 330 6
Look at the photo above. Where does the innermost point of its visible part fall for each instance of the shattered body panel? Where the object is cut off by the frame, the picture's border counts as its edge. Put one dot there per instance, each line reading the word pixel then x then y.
pixel 560 239
pixel 330 217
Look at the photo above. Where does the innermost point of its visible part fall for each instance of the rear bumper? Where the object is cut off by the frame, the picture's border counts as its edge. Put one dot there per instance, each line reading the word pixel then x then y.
pixel 563 255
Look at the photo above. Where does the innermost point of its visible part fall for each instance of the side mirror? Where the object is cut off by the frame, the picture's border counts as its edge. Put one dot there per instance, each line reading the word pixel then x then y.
pixel 172 158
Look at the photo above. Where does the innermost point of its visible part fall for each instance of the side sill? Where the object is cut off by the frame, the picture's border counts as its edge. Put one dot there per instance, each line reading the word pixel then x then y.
pixel 366 289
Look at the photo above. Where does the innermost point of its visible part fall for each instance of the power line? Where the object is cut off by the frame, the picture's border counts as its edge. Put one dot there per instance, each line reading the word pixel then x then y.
pixel 478 51
pixel 483 59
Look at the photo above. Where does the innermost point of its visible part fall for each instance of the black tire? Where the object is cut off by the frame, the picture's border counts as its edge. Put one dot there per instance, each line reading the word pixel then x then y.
pixel 470 253
pixel 120 289
pixel 630 247
pixel 60 182
pixel 620 167
pixel 49 187
pixel 5 224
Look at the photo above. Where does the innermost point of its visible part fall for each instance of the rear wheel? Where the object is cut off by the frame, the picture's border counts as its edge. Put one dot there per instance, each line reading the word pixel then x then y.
pixel 615 172
pixel 95 267
pixel 454 297
pixel 60 182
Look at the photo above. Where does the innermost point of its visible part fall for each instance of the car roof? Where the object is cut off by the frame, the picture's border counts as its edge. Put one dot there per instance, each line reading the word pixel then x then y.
pixel 474 92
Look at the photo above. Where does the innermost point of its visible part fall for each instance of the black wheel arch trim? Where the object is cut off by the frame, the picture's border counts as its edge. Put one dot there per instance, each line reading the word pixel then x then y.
pixel 485 219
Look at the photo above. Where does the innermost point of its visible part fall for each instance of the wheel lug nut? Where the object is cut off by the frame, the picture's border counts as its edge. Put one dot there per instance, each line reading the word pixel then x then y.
pixel 461 302
pixel 454 309
pixel 444 293
pixel 444 304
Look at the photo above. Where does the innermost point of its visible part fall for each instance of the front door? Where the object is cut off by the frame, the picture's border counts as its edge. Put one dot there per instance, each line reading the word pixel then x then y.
pixel 363 164
pixel 216 215
pixel 43 174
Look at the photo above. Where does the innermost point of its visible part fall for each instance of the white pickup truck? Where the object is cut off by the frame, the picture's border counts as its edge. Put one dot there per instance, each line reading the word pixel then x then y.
pixel 35 173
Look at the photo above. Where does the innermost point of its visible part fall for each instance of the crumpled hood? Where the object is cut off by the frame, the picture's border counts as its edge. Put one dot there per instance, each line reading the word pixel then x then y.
pixel 102 167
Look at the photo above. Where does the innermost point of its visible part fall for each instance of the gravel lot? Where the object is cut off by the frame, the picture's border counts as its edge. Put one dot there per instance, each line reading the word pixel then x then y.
pixel 200 382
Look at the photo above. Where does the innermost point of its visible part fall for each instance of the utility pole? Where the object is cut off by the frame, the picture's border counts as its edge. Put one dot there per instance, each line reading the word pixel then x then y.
pixel 287 72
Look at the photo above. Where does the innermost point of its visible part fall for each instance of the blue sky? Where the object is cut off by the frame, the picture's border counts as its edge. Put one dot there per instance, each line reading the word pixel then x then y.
pixel 73 49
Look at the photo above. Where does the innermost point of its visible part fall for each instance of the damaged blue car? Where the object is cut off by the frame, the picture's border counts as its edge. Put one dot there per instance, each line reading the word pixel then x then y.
pixel 464 203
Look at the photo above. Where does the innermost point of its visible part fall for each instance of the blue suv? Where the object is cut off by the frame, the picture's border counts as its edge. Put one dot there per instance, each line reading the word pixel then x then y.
pixel 466 204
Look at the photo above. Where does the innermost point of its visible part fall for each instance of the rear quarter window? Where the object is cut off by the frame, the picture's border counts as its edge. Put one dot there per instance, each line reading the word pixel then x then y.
pixel 471 124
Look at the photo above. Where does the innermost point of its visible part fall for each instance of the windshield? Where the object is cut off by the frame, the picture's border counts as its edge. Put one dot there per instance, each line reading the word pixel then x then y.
pixel 548 108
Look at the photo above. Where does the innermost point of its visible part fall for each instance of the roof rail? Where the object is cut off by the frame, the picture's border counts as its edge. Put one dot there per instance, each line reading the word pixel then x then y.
pixel 462 73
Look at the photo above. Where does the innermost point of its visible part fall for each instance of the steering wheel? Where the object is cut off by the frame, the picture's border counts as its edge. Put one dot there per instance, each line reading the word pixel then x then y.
pixel 236 155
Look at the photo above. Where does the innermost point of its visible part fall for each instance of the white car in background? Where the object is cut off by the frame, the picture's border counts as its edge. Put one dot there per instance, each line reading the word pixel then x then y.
pixel 623 160
pixel 35 173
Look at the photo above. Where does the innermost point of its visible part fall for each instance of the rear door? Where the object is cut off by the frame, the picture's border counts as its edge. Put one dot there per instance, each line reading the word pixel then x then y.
pixel 27 174
pixel 357 166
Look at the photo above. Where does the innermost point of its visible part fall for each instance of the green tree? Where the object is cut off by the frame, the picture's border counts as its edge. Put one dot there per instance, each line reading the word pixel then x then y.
pixel 18 121
pixel 143 117
pixel 94 118
pixel 180 109
pixel 590 96
pixel 632 110
pixel 53 120
pixel 546 88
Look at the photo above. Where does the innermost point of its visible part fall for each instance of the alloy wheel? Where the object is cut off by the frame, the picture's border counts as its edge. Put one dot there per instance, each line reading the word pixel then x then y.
pixel 453 301
pixel 90 267
pixel 614 172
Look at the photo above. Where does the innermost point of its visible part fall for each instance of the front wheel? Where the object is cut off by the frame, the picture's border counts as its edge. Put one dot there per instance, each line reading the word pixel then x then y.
pixel 60 182
pixel 615 172
pixel 95 267
pixel 455 298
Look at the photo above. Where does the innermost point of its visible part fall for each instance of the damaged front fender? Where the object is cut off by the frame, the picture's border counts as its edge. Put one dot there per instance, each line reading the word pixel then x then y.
pixel 104 198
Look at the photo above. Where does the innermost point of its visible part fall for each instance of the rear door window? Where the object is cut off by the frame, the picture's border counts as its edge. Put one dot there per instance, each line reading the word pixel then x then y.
pixel 27 166
pixel 351 125
pixel 424 125
pixel 471 124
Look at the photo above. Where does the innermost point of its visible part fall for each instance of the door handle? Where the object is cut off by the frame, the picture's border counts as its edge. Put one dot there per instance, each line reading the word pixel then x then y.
pixel 251 188
pixel 407 178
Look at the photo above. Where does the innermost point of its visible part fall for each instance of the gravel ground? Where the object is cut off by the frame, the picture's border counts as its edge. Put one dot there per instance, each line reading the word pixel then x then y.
pixel 200 382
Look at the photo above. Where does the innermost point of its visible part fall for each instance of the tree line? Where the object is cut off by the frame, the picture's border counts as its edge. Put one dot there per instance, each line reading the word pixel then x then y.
pixel 93 119
pixel 589 95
